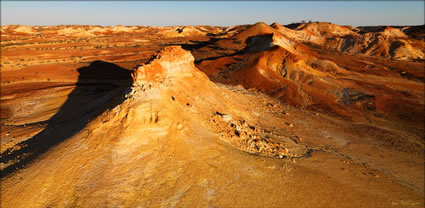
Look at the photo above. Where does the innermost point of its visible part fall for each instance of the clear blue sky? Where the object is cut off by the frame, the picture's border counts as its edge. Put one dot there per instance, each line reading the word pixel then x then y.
pixel 219 13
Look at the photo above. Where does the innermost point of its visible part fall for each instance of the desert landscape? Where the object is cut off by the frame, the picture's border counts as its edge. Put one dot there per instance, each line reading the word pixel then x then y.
pixel 309 114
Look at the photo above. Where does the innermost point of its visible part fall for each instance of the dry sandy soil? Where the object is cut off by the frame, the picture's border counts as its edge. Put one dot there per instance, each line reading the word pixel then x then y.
pixel 302 115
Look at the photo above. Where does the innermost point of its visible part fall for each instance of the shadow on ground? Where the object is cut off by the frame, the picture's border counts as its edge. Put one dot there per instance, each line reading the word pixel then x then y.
pixel 100 86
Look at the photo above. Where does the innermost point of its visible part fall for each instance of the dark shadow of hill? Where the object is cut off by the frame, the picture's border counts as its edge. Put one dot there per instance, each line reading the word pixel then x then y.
pixel 253 44
pixel 100 86
pixel 194 44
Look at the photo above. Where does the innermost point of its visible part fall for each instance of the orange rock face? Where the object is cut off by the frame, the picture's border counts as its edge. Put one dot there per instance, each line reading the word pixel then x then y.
pixel 168 63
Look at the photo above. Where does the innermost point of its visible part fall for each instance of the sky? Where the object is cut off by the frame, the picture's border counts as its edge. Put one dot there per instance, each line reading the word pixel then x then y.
pixel 217 13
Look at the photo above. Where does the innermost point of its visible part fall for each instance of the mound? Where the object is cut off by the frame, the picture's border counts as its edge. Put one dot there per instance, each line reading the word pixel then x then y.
pixel 24 29
pixel 299 35
pixel 323 29
pixel 174 66
pixel 287 69
pixel 97 30
pixel 393 32
pixel 381 41
pixel 260 37
pixel 120 28
pixel 185 31
pixel 402 49
pixel 79 32
pixel 162 111
pixel 259 28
